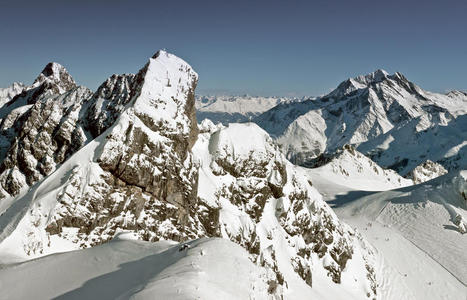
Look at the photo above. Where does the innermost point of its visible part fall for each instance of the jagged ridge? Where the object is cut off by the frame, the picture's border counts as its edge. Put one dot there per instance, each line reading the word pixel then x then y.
pixel 367 111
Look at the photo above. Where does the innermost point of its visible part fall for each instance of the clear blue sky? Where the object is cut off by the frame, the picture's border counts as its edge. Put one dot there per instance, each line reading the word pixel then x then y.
pixel 256 47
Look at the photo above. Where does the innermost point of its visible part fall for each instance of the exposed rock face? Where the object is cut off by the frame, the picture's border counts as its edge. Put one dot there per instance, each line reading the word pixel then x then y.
pixel 426 171
pixel 50 132
pixel 40 128
pixel 145 177
pixel 108 102
pixel 150 147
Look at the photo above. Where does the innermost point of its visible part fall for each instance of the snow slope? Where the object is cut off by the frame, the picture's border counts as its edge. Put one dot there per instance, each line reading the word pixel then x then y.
pixel 351 170
pixel 417 230
pixel 123 269
pixel 430 216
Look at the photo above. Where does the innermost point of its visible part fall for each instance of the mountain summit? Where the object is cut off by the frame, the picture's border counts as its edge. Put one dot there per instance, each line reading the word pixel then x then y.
pixel 360 110
pixel 55 76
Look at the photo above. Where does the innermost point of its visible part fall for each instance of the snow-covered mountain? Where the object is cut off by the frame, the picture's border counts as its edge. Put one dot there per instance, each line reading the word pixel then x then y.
pixel 6 94
pixel 386 117
pixel 40 128
pixel 235 109
pixel 80 167
pixel 351 169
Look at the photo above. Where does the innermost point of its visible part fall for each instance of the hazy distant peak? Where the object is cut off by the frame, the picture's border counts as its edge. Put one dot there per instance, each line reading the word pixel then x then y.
pixel 373 77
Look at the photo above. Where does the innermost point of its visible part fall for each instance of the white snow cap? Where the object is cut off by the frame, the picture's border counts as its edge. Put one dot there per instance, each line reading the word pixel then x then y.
pixel 54 70
pixel 376 76
pixel 55 73
pixel 166 82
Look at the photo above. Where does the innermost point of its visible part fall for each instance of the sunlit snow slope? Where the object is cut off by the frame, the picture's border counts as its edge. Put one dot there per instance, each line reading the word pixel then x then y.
pixel 419 230
pixel 123 269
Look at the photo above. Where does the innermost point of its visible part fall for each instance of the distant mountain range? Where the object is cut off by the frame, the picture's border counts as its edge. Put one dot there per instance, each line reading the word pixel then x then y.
pixel 386 117
pixel 234 109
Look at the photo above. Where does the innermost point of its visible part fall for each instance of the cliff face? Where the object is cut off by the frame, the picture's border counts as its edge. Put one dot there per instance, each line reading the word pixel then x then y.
pixel 147 177
pixel 153 138
pixel 40 128
pixel 108 102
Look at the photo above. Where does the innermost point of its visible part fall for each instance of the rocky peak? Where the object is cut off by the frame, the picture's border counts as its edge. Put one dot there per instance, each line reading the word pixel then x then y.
pixel 56 77
pixel 349 86
pixel 376 83
pixel 108 102
pixel 164 97
pixel 457 94
pixel 149 147
pixel 426 171
pixel 374 77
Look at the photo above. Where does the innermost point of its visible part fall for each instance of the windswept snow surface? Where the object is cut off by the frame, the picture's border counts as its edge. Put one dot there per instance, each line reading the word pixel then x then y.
pixel 123 269
pixel 431 215
pixel 418 230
